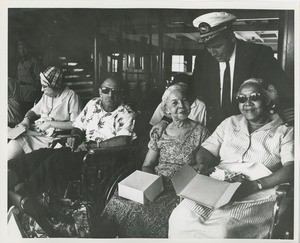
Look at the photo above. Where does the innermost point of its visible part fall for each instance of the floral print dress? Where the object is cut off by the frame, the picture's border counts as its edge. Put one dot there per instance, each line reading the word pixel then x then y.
pixel 150 220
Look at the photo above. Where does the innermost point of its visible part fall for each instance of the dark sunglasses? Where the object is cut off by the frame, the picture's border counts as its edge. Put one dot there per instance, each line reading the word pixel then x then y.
pixel 106 90
pixel 252 97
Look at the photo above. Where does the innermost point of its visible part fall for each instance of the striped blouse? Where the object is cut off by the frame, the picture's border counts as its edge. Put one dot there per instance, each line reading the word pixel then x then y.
pixel 272 145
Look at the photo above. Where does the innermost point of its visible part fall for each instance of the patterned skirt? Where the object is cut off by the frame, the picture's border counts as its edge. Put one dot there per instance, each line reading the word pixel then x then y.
pixel 135 220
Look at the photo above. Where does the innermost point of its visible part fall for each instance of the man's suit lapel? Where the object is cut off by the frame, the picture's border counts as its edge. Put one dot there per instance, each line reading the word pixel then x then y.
pixel 240 68
pixel 213 77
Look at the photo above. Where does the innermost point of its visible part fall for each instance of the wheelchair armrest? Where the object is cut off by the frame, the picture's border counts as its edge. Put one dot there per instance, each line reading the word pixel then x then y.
pixel 60 137
pixel 281 192
pixel 283 189
pixel 62 133
pixel 97 151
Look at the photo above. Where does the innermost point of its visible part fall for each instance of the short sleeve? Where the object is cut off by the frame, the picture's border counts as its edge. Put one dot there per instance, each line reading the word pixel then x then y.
pixel 214 142
pixel 81 120
pixel 198 112
pixel 125 124
pixel 37 109
pixel 287 146
pixel 75 106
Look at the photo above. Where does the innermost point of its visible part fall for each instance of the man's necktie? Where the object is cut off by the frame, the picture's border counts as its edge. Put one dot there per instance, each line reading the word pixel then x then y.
pixel 226 102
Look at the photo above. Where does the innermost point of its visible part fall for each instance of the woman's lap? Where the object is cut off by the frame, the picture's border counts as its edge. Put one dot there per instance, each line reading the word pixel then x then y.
pixel 136 220
pixel 243 220
pixel 31 143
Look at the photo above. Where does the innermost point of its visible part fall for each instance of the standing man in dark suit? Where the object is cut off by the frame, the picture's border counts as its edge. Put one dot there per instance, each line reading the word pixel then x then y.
pixel 226 62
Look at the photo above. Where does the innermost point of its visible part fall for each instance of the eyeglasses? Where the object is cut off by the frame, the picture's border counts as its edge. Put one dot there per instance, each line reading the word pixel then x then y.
pixel 252 97
pixel 106 90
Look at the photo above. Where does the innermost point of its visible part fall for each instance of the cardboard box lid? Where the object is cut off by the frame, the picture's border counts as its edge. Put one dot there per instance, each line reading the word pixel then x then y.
pixel 251 170
pixel 13 133
pixel 202 189
pixel 151 185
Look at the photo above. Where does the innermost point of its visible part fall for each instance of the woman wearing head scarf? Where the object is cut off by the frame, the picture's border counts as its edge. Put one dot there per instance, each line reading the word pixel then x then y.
pixel 256 144
pixel 56 110
pixel 165 157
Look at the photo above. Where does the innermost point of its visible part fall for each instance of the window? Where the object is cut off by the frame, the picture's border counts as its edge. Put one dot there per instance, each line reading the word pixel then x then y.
pixel 114 64
pixel 193 62
pixel 178 64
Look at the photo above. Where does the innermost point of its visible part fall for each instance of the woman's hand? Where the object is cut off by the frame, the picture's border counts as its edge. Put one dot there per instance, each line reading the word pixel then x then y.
pixel 148 169
pixel 158 129
pixel 25 123
pixel 245 189
pixel 44 126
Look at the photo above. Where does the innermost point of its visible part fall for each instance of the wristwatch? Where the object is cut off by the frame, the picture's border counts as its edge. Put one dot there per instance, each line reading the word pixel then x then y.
pixel 259 184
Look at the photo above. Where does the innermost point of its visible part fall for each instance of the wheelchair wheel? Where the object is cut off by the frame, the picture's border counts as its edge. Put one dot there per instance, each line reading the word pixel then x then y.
pixel 111 186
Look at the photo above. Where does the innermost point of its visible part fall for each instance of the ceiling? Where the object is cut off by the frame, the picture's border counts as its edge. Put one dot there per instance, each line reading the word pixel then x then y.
pixel 45 27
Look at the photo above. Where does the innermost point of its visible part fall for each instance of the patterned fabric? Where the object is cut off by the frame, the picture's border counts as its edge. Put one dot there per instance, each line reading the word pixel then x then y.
pixel 52 77
pixel 93 118
pixel 174 153
pixel 272 145
pixel 66 107
pixel 151 220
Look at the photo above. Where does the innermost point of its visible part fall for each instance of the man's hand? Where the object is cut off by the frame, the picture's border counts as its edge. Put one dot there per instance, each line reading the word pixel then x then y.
pixel 158 129
pixel 287 115
pixel 73 142
pixel 82 147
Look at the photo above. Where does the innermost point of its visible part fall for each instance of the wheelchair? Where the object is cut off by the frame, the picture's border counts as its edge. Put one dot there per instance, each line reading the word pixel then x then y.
pixel 102 169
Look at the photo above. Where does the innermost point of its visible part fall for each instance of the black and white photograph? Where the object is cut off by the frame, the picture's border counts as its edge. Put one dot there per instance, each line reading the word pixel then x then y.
pixel 156 120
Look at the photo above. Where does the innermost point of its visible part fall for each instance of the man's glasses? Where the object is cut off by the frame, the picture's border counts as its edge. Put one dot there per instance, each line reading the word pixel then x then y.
pixel 252 97
pixel 106 90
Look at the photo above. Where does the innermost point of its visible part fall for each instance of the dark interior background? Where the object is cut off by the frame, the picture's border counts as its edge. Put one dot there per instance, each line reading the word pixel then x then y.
pixel 136 44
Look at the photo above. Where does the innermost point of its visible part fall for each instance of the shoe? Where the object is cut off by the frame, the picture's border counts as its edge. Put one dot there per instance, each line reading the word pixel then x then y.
pixel 33 210
pixel 63 229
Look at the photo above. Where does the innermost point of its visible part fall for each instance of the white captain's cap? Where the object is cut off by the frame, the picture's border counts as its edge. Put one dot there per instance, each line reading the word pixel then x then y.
pixel 212 24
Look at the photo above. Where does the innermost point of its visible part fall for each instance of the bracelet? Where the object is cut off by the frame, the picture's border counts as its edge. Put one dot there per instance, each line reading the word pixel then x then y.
pixel 260 187
pixel 148 167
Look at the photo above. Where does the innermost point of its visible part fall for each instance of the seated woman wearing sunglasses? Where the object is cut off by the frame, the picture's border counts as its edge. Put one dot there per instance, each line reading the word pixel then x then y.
pixel 256 144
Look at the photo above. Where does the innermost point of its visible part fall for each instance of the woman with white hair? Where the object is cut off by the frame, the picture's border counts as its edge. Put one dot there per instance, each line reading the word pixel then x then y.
pixel 56 110
pixel 175 148
pixel 259 146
